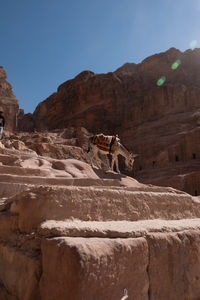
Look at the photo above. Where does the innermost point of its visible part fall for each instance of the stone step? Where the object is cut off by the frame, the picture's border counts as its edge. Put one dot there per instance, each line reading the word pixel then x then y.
pixel 157 266
pixel 10 189
pixel 114 229
pixel 11 158
pixel 65 181
pixel 94 269
pixel 108 268
pixel 100 204
pixel 8 159
pixel 12 184
pixel 19 273
pixel 19 171
pixel 17 154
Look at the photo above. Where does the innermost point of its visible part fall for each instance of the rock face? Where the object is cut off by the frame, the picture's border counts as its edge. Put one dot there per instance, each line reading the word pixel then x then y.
pixel 76 232
pixel 8 102
pixel 127 97
pixel 159 122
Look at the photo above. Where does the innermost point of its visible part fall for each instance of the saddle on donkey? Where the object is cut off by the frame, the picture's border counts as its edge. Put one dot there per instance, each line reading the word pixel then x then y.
pixel 106 143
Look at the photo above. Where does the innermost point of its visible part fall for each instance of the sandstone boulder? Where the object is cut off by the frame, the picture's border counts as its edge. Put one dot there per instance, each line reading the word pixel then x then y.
pixel 90 260
pixel 172 260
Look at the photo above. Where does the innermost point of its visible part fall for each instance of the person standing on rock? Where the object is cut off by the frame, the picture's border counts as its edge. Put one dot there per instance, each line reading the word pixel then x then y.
pixel 2 123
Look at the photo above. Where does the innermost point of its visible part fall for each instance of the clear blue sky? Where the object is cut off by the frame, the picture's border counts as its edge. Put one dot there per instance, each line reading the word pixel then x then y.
pixel 46 42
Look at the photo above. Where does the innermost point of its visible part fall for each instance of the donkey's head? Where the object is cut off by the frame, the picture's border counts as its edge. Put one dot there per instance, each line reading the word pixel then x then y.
pixel 130 160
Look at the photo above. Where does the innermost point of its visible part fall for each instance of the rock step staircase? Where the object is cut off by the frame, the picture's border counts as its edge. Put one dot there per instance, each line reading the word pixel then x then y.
pixel 114 229
pixel 95 239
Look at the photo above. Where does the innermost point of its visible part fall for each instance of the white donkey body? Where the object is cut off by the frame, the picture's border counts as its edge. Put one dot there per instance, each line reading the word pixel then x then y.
pixel 119 149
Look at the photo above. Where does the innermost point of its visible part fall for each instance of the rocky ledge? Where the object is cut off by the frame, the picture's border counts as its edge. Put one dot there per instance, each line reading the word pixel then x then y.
pixel 70 231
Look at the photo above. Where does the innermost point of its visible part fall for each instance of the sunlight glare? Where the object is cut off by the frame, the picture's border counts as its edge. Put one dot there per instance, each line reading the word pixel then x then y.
pixel 193 44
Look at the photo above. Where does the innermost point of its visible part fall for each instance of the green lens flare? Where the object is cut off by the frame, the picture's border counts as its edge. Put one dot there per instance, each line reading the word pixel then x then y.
pixel 176 64
pixel 161 80
pixel 193 44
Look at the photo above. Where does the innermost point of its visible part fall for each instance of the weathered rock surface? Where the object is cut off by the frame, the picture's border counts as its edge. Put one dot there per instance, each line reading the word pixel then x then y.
pixel 70 231
pixel 176 253
pixel 160 123
pixel 8 102
pixel 105 261
pixel 13 262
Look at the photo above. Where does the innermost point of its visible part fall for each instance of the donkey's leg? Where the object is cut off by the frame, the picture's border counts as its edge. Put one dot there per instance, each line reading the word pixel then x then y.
pixel 96 156
pixel 117 164
pixel 92 154
pixel 109 162
pixel 98 159
pixel 112 162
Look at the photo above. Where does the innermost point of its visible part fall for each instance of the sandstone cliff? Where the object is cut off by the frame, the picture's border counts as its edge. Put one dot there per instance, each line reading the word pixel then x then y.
pixel 159 122
pixel 128 96
pixel 8 102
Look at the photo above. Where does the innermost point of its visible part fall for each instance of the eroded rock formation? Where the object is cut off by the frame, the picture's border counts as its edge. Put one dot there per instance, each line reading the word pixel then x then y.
pixel 128 96
pixel 8 102
pixel 159 122
pixel 75 232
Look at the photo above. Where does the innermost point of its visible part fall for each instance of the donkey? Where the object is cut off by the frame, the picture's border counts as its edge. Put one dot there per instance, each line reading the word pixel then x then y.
pixel 110 145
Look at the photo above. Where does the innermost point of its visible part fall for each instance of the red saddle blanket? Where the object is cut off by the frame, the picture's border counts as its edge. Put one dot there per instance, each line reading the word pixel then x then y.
pixel 106 143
